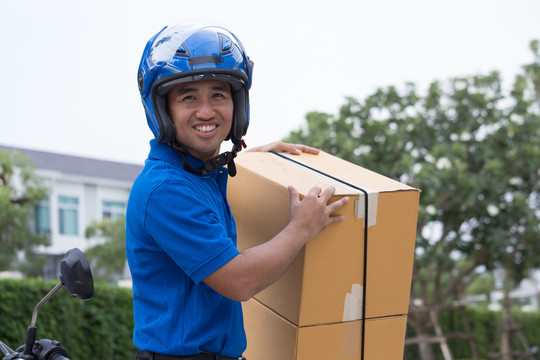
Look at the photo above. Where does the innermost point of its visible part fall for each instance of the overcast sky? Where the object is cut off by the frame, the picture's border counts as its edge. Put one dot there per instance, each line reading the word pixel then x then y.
pixel 68 67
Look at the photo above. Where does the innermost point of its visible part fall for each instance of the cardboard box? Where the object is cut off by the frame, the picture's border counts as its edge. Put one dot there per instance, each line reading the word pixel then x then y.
pixel 271 337
pixel 325 284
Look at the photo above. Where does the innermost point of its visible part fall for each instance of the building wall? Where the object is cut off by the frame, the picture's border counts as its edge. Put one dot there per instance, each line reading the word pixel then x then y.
pixel 90 193
pixel 81 190
pixel 93 196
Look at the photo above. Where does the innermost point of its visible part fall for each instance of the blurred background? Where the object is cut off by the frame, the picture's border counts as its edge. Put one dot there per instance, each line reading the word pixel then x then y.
pixel 442 96
pixel 69 67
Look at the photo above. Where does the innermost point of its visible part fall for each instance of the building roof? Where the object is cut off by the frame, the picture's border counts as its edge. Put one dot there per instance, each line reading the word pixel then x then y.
pixel 75 165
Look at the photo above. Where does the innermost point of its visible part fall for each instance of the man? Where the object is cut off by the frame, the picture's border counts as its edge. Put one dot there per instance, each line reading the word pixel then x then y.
pixel 188 276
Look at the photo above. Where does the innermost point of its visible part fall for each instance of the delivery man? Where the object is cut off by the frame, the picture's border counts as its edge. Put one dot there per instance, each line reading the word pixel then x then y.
pixel 188 276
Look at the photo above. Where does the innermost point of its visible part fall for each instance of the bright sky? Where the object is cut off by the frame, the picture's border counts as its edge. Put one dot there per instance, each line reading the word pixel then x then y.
pixel 68 81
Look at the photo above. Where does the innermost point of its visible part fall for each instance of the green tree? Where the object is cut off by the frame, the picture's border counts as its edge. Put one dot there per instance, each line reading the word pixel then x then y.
pixel 20 192
pixel 107 259
pixel 473 150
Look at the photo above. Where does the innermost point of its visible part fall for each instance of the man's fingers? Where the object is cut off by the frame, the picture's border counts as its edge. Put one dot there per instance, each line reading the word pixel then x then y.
pixel 338 204
pixel 335 206
pixel 335 219
pixel 314 191
pixel 295 197
pixel 327 193
pixel 295 149
pixel 307 149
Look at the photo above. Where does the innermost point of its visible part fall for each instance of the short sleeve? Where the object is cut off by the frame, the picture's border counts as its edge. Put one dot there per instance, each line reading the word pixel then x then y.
pixel 190 226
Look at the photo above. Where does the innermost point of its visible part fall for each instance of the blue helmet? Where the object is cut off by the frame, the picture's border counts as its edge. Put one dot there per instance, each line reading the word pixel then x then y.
pixel 192 52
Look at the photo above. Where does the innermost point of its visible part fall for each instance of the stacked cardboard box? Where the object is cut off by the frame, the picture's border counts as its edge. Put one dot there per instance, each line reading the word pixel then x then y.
pixel 315 310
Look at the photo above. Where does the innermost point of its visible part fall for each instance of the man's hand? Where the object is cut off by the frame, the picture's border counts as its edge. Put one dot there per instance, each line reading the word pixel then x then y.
pixel 257 267
pixel 313 213
pixel 280 146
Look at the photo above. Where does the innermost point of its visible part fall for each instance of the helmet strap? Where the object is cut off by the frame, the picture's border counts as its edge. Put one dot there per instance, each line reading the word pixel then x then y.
pixel 209 166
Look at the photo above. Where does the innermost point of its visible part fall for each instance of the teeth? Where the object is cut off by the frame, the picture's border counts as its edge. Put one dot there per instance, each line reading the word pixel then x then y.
pixel 205 128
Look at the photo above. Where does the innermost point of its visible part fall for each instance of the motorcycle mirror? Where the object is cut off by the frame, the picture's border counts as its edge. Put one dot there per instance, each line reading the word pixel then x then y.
pixel 76 275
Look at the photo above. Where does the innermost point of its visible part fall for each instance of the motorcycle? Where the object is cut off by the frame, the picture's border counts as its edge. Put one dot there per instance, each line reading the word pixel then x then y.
pixel 76 276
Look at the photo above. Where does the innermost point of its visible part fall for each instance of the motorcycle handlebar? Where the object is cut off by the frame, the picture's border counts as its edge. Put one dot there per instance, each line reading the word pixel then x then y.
pixel 53 356
pixel 57 356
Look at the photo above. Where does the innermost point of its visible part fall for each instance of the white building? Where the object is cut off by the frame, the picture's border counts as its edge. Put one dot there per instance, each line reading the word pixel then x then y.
pixel 81 190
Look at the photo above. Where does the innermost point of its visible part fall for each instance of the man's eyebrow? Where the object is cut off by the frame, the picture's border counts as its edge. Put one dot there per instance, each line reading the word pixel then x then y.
pixel 185 90
pixel 221 88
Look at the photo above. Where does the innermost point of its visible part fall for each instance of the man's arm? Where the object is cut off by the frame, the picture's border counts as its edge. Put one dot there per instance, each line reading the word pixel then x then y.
pixel 258 267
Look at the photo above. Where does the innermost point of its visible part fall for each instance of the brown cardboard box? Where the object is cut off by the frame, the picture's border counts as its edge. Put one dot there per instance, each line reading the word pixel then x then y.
pixel 325 284
pixel 271 337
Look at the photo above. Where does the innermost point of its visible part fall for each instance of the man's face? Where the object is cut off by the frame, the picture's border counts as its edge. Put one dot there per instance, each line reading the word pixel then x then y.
pixel 202 113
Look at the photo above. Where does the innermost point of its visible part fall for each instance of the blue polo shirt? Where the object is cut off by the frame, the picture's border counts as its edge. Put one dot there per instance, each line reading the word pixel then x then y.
pixel 179 230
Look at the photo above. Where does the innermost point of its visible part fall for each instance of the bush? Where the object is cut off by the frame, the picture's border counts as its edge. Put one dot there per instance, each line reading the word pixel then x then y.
pixel 100 328
pixel 484 324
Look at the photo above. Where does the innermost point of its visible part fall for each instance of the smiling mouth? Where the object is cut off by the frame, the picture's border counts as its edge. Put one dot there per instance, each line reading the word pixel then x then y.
pixel 205 128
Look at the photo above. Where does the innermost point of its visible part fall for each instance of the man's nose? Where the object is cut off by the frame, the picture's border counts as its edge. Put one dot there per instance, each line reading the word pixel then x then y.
pixel 205 111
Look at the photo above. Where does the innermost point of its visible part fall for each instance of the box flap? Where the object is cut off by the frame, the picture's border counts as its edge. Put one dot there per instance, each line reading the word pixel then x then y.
pixel 266 165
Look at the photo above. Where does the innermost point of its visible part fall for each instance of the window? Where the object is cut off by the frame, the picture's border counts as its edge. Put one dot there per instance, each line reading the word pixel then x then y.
pixel 42 221
pixel 113 209
pixel 68 215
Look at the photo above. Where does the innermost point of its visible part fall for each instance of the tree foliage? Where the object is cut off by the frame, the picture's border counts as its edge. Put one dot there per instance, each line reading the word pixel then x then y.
pixel 108 258
pixel 100 328
pixel 20 192
pixel 473 149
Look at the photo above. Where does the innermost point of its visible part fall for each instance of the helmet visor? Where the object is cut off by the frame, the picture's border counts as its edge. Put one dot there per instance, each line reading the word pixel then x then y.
pixel 171 38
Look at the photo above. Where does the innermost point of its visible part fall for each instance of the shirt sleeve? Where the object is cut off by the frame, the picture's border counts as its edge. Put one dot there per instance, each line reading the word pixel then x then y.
pixel 188 228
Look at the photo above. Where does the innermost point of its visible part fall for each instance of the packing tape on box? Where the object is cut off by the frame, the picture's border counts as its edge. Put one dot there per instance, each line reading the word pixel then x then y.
pixel 351 344
pixel 359 208
pixel 352 309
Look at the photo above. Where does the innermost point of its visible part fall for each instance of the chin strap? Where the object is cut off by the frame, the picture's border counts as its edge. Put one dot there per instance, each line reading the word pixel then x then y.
pixel 209 166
